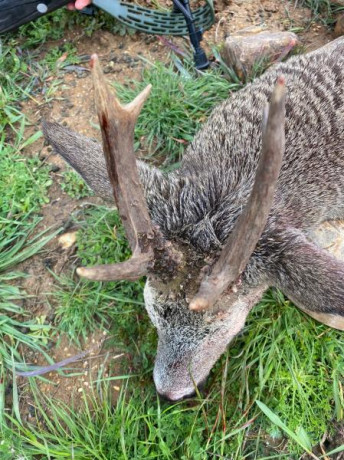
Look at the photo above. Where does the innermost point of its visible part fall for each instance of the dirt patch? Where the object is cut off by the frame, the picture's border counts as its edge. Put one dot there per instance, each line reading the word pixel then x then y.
pixel 78 380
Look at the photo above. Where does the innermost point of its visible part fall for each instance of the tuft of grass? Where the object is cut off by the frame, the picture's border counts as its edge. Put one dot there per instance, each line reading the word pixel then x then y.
pixel 292 364
pixel 23 190
pixel 54 26
pixel 178 105
pixel 15 329
pixel 324 11
pixel 74 185
pixel 24 73
pixel 23 180
pixel 127 430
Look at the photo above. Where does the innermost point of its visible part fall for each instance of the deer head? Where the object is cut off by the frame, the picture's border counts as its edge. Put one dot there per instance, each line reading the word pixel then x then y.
pixel 198 297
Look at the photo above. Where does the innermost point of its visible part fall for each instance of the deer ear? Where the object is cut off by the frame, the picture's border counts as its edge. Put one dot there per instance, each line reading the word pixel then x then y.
pixel 81 153
pixel 87 158
pixel 311 277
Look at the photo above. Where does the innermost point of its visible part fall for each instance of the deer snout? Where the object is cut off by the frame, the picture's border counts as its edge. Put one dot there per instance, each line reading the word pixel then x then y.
pixel 174 396
pixel 173 391
pixel 174 384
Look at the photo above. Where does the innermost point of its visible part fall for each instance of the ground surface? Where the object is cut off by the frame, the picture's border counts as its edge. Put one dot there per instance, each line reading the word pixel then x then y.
pixel 73 105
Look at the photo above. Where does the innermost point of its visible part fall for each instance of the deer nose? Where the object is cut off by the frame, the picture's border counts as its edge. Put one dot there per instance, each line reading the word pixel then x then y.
pixel 171 396
pixel 176 396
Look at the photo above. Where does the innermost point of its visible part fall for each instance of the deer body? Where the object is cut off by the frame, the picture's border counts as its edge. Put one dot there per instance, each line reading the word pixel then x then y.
pixel 197 207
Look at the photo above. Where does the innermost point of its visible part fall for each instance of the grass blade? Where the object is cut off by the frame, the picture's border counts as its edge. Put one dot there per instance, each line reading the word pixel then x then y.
pixel 300 438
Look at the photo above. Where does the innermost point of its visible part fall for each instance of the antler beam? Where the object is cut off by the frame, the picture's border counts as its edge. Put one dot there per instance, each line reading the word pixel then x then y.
pixel 117 125
pixel 250 225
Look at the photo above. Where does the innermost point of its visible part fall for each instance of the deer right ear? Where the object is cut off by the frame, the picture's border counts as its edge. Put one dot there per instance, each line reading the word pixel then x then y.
pixel 87 158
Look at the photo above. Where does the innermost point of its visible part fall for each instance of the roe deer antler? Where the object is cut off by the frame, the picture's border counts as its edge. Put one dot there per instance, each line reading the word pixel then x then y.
pixel 117 125
pixel 250 225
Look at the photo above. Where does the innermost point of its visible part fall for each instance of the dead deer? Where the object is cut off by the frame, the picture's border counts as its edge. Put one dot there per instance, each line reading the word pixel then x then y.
pixel 239 215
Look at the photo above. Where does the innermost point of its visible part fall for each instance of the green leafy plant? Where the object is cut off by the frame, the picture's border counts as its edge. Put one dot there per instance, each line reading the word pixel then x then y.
pixel 41 334
pixel 74 185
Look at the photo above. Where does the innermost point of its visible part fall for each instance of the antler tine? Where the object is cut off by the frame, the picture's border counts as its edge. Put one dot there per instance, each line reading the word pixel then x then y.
pixel 130 270
pixel 117 125
pixel 250 225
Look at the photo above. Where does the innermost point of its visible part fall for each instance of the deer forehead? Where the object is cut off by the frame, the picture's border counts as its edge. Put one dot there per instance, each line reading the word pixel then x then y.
pixel 170 312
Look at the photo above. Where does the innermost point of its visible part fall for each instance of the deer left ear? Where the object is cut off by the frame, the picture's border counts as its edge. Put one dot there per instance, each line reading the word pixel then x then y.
pixel 82 154
pixel 311 277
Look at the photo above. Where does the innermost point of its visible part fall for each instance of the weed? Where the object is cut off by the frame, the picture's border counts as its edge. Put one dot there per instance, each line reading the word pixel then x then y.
pixel 15 247
pixel 74 185
pixel 23 184
pixel 23 190
pixel 60 56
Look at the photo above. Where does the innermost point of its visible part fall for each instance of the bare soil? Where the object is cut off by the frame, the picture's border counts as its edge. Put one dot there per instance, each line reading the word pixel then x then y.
pixel 73 105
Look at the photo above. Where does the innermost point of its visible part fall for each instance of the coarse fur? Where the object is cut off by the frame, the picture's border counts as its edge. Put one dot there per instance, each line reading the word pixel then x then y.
pixel 198 205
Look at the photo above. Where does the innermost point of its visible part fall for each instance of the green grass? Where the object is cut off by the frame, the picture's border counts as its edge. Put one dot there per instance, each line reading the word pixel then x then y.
pixel 178 105
pixel 284 359
pixel 23 181
pixel 324 11
pixel 16 248
pixel 18 329
pixel 54 26
pixel 74 185
pixel 83 305
pixel 23 190
pixel 24 184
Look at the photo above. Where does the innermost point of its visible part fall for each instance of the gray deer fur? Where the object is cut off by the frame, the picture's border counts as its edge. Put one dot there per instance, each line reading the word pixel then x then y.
pixel 197 207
